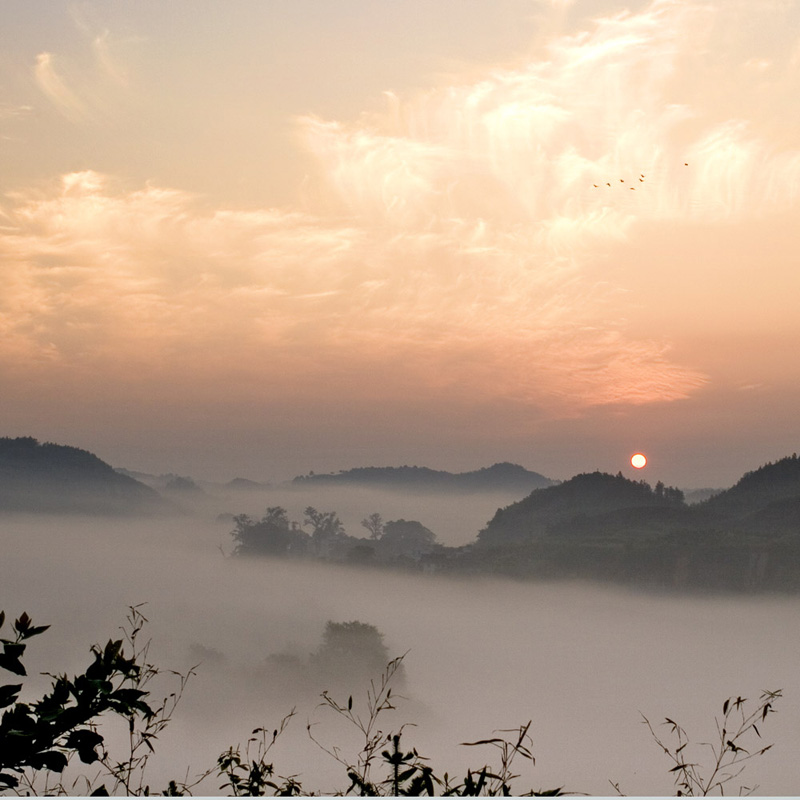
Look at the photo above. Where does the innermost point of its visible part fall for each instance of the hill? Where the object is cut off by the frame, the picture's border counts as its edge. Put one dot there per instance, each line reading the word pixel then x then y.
pixel 55 478
pixel 577 504
pixel 773 482
pixel 498 477
pixel 603 527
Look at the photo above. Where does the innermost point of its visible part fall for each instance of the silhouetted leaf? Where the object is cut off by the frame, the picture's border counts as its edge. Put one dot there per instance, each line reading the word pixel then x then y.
pixel 22 623
pixel 8 694
pixel 51 759
pixel 8 781
pixel 84 742
pixel 12 664
pixel 482 741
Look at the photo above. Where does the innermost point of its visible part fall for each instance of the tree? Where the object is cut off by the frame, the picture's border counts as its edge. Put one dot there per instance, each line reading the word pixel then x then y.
pixel 326 530
pixel 407 538
pixel 350 649
pixel 42 736
pixel 272 535
pixel 324 524
pixel 374 524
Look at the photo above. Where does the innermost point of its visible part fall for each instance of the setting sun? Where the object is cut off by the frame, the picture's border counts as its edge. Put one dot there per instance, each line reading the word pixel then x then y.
pixel 638 460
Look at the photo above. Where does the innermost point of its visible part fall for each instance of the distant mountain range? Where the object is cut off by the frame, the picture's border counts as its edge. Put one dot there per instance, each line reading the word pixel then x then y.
pixel 53 478
pixel 594 525
pixel 498 477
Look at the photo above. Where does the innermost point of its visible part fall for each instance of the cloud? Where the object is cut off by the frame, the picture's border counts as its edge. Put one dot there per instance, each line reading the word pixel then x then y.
pixel 453 243
pixel 56 89
pixel 13 111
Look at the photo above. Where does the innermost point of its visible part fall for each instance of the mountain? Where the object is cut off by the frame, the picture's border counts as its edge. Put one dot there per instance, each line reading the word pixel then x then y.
pixel 54 478
pixel 603 527
pixel 498 477
pixel 586 502
pixel 775 481
pixel 245 485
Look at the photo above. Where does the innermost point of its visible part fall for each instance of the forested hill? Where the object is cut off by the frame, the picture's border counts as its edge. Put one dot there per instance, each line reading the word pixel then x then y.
pixel 499 477
pixel 606 527
pixel 53 478
pixel 588 496
pixel 775 482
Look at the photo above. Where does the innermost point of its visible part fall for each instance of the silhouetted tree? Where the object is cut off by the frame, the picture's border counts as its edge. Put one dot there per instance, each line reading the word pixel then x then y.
pixel 407 538
pixel 350 649
pixel 324 524
pixel 374 524
pixel 272 535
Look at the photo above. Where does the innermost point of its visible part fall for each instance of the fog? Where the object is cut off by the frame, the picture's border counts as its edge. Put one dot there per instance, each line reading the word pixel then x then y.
pixel 454 517
pixel 581 661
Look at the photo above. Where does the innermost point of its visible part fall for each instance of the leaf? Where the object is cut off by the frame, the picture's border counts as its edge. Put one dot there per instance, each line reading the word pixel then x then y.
pixel 50 759
pixel 130 696
pixel 14 649
pixel 406 774
pixel 682 766
pixel 482 741
pixel 2 618
pixel 100 791
pixel 8 693
pixel 84 742
pixel 23 623
pixel 12 664
pixel 8 781
pixel 725 706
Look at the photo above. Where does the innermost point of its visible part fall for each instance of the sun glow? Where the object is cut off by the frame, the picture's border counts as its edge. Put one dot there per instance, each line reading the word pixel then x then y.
pixel 638 460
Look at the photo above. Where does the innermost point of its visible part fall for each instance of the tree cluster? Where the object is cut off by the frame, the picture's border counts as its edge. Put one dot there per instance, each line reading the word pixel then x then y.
pixel 326 538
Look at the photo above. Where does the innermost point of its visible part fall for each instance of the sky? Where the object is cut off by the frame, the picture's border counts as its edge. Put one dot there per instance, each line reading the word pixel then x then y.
pixel 260 239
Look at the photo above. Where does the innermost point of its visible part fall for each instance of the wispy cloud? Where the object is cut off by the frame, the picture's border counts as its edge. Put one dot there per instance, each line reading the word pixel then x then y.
pixel 12 111
pixel 456 239
pixel 56 89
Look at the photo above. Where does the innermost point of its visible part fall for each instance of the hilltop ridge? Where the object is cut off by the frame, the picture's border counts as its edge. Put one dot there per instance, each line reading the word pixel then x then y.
pixel 54 478
pixel 501 476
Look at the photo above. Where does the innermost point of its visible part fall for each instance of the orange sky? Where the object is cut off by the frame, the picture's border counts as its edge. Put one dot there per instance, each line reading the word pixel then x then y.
pixel 282 238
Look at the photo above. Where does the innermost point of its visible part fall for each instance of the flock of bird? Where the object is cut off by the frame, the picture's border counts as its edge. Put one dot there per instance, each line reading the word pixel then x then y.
pixel 632 188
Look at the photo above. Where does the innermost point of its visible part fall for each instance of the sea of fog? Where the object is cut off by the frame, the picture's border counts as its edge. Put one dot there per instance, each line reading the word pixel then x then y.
pixel 583 662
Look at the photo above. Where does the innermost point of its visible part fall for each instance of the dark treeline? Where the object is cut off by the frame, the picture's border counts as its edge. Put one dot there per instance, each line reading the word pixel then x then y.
pixel 594 526
pixel 396 543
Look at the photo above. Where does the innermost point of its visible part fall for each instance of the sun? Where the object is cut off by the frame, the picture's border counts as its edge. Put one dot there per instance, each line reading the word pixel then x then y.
pixel 638 460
